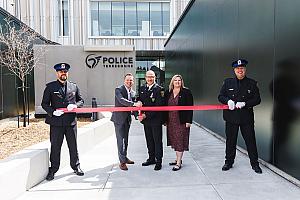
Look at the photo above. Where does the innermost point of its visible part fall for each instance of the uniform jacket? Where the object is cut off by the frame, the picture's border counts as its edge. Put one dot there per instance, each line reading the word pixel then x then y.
pixel 152 97
pixel 244 90
pixel 121 100
pixel 54 97
pixel 185 98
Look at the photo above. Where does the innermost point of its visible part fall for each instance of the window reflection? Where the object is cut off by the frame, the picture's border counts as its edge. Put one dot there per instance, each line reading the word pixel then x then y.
pixel 156 19
pixel 63 14
pixel 166 18
pixel 105 18
pixel 129 18
pixel 118 18
pixel 143 19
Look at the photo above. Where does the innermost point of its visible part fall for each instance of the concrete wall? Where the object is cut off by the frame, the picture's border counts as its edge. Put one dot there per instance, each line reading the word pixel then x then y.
pixel 98 82
pixel 29 167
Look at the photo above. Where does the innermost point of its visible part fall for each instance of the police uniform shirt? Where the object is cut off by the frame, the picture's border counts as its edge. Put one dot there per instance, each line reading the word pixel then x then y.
pixel 244 90
pixel 57 95
pixel 152 96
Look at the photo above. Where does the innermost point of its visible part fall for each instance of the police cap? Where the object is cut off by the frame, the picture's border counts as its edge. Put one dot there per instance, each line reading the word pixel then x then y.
pixel 239 62
pixel 62 66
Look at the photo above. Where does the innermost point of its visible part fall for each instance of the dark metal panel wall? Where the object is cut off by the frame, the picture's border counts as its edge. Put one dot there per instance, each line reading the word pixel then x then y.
pixel 212 34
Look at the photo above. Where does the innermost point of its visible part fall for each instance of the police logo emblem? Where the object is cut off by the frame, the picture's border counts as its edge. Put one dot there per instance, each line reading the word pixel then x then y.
pixel 239 62
pixel 63 66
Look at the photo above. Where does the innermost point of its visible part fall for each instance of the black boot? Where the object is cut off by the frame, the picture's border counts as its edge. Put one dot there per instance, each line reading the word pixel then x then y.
pixel 157 166
pixel 148 162
pixel 50 176
pixel 257 169
pixel 226 167
pixel 78 171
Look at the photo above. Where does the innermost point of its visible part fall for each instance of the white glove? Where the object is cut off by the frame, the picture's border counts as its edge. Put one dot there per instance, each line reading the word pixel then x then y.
pixel 138 104
pixel 240 105
pixel 231 105
pixel 58 113
pixel 71 107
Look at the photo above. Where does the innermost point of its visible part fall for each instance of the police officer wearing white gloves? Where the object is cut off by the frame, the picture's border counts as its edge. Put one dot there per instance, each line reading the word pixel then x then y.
pixel 241 94
pixel 62 94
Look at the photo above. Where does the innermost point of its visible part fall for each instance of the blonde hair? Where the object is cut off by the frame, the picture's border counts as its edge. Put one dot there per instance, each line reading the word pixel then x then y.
pixel 171 86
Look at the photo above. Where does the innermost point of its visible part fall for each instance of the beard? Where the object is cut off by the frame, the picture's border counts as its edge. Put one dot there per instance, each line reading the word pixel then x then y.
pixel 62 78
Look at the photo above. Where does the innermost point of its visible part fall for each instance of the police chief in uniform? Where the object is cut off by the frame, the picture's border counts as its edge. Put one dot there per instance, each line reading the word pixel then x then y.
pixel 241 94
pixel 62 94
pixel 151 94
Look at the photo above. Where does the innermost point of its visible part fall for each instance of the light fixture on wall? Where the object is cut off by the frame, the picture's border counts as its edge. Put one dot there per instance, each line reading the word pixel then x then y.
pixel 12 3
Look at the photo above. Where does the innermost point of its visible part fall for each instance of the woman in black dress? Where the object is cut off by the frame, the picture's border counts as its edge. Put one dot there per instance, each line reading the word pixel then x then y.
pixel 178 122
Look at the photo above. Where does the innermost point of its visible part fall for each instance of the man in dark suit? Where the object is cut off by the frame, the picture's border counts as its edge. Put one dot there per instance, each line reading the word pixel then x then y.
pixel 152 94
pixel 124 96
pixel 241 94
pixel 62 94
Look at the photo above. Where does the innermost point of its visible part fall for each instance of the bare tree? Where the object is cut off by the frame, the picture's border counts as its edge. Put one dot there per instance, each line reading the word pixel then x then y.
pixel 17 52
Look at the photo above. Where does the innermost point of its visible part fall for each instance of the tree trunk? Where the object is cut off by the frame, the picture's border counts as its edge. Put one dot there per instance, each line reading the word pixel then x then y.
pixel 24 103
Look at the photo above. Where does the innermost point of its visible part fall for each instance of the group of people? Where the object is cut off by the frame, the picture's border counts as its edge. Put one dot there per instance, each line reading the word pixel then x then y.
pixel 178 122
pixel 240 93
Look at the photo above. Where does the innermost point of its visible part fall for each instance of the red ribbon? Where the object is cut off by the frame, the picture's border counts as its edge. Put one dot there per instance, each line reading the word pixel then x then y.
pixel 154 108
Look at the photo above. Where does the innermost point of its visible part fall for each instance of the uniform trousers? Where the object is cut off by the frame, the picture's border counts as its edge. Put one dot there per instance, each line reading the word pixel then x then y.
pixel 153 134
pixel 248 134
pixel 57 134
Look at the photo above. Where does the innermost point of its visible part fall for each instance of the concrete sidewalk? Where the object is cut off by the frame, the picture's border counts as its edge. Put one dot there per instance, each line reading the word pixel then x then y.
pixel 200 178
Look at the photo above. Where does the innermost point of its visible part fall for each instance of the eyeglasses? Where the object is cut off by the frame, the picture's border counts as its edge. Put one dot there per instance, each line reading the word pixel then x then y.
pixel 150 76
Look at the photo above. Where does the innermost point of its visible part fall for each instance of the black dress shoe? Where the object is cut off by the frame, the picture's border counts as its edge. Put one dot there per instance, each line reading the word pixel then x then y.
pixel 157 166
pixel 50 176
pixel 226 167
pixel 78 172
pixel 257 169
pixel 148 162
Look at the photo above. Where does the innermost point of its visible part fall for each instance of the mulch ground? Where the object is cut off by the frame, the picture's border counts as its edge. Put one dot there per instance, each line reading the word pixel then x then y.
pixel 14 139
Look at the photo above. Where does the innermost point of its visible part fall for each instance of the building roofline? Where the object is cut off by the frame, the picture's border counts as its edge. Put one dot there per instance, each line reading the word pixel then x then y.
pixel 187 8
pixel 19 22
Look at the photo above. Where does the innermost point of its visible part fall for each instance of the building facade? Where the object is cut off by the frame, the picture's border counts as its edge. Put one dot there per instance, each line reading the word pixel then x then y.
pixel 144 24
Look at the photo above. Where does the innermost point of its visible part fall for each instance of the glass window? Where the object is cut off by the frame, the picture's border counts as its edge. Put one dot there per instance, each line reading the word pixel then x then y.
pixel 118 18
pixel 130 19
pixel 94 18
pixel 166 18
pixel 63 14
pixel 156 19
pixel 105 18
pixel 126 18
pixel 143 19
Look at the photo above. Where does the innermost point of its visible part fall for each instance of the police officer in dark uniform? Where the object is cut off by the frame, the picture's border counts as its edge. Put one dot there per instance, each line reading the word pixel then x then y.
pixel 241 94
pixel 151 94
pixel 62 94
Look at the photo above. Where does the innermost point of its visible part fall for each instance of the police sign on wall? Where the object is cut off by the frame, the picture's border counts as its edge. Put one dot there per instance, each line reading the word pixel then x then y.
pixel 92 60
pixel 96 70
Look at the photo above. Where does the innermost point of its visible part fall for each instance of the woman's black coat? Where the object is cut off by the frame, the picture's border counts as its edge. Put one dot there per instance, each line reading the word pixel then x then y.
pixel 185 98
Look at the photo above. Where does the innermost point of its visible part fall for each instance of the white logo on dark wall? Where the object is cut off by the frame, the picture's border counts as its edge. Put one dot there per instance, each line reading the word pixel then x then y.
pixel 92 61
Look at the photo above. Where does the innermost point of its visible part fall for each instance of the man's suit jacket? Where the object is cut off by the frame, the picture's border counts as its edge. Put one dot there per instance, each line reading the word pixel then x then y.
pixel 54 97
pixel 121 100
